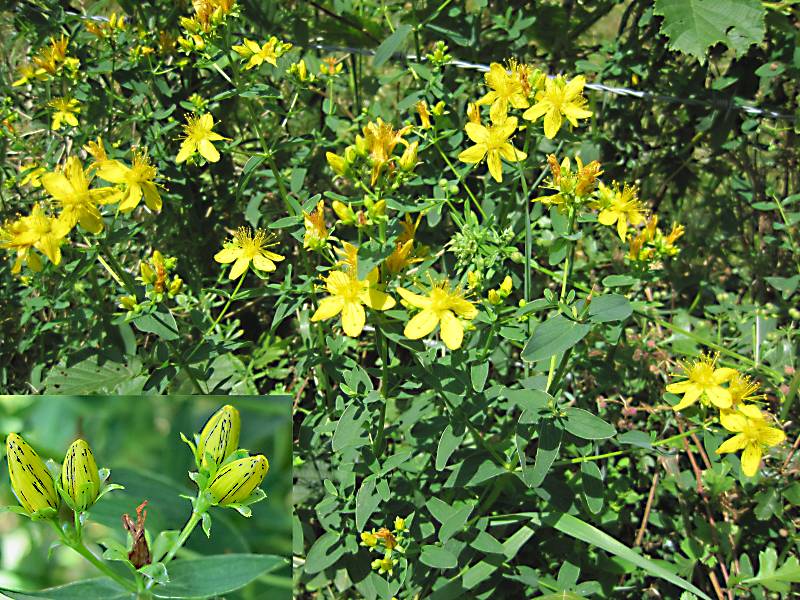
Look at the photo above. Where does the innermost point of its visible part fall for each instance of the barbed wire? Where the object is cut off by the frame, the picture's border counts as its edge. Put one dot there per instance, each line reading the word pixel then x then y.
pixel 600 87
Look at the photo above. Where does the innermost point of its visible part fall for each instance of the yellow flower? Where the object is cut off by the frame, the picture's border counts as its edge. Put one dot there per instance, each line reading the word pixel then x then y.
pixel 96 150
pixel 424 114
pixel 78 203
pixel 369 539
pixel 245 248
pixel 384 565
pixel 743 389
pixel 28 73
pixel 399 524
pixel 38 231
pixel 50 58
pixel 269 52
pixel 136 179
pixel 620 207
pixel 32 175
pixel 493 142
pixel 65 111
pixel 348 296
pixel 506 88
pixel 31 482
pixel 316 234
pixel 473 113
pixel 753 435
pixel 198 137
pixel 380 139
pixel 558 99
pixel 236 481
pixel 442 306
pixel 704 381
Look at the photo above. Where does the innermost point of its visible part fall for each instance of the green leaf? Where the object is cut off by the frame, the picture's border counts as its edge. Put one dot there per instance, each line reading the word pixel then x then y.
pixel 550 434
pixel 447 445
pixel 583 531
pixel 592 485
pixel 610 307
pixel 561 596
pixel 554 336
pixel 367 501
pixel 91 376
pixel 583 424
pixel 370 255
pixel 348 433
pixel 390 45
pixel 161 322
pixel 247 172
pixel 772 578
pixel 478 374
pixel 452 518
pixel 693 26
pixel 326 550
pixel 437 557
pixel 88 589
pixel 215 575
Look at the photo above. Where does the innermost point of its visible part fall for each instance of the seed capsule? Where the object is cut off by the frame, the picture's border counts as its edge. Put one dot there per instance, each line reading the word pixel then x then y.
pixel 220 435
pixel 236 481
pixel 79 476
pixel 31 481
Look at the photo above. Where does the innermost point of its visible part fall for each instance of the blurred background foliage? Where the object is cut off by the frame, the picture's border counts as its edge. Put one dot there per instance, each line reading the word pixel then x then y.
pixel 138 438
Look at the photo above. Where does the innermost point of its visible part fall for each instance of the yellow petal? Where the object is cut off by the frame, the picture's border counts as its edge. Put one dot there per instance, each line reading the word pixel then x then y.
pixel 91 221
pixel 733 444
pixel 495 165
pixel 422 324
pixel 719 397
pixel 474 154
pixel 207 150
pixel 733 420
pixel 463 308
pixel 113 171
pixel 262 263
pixel 678 388
pixel 376 299
pixel 187 149
pixel 689 398
pixel 607 217
pixel 511 154
pixel 151 196
pixel 452 330
pixel 206 121
pixel 227 255
pixel 751 459
pixel 239 267
pixel 328 308
pixel 769 436
pixel 353 318
pixel 552 123
pixel 57 185
pixel 536 111
pixel 477 132
pixel 724 374
pixel 414 299
pixel 132 198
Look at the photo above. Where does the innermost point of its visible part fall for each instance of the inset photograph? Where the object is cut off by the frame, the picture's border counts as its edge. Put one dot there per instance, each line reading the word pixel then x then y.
pixel 137 497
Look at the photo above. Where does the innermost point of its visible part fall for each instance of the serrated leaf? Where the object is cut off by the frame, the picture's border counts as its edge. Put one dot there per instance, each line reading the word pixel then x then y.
pixel 693 26
pixel 772 577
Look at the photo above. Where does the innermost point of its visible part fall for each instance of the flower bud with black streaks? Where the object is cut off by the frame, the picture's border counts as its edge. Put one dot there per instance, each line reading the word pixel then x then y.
pixel 80 478
pixel 220 435
pixel 31 481
pixel 236 481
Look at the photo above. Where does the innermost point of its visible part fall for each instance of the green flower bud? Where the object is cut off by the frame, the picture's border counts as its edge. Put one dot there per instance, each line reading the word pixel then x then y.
pixel 236 481
pixel 220 435
pixel 148 275
pixel 337 163
pixel 80 479
pixel 30 480
pixel 409 159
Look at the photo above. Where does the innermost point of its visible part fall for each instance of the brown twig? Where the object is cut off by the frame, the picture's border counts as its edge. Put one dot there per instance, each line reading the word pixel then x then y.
pixel 789 456
pixel 646 516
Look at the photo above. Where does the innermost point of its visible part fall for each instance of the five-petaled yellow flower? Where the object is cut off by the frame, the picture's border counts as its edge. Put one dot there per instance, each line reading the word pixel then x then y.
pixel 506 88
pixel 703 381
pixel 65 111
pixel 259 54
pixel 493 142
pixel 559 99
pixel 70 188
pixel 198 137
pixel 620 207
pixel 442 306
pixel 136 179
pixel 246 248
pixel 753 435
pixel 348 296
pixel 38 231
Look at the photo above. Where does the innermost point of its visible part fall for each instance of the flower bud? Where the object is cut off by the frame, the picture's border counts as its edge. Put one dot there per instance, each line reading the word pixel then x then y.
pixel 236 481
pixel 30 480
pixel 148 275
pixel 337 163
pixel 176 285
pixel 80 479
pixel 220 435
pixel 409 159
pixel 344 212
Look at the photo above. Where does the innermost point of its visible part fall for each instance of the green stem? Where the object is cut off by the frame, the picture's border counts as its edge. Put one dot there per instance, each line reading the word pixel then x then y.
pixel 460 178
pixel 380 342
pixel 564 279
pixel 183 536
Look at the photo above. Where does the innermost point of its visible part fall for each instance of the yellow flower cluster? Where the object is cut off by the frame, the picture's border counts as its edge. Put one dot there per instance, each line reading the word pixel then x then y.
pixel 651 244
pixel 388 542
pixel 257 54
pixel 736 402
pixel 78 203
pixel 49 61
pixel 519 86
